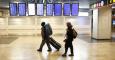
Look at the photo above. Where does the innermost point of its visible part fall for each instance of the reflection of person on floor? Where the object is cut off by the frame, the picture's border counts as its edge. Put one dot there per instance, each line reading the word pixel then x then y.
pixel 44 56
pixel 45 37
pixel 69 39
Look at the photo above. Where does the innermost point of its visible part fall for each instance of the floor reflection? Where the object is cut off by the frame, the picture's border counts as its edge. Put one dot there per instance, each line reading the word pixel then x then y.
pixel 7 39
pixel 25 48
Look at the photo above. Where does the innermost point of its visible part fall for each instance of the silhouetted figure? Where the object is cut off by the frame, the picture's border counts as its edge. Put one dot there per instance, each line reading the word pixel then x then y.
pixel 54 43
pixel 49 29
pixel 69 39
pixel 45 37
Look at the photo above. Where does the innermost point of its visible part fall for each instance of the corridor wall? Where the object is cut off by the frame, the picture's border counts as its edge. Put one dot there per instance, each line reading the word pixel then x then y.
pixel 31 25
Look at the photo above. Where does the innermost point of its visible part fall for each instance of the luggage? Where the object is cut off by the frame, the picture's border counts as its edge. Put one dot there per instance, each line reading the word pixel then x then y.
pixel 54 43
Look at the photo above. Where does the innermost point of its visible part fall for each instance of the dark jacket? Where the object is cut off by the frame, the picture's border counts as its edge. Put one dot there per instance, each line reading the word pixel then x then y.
pixel 43 32
pixel 69 35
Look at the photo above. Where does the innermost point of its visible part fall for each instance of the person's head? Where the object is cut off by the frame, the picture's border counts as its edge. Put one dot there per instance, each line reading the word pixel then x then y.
pixel 69 25
pixel 43 23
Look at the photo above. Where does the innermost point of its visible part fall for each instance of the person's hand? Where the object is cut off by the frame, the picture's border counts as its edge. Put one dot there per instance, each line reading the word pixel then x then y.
pixel 64 40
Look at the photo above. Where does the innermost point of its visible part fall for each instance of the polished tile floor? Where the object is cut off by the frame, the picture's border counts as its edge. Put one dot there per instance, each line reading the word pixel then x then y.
pixel 24 48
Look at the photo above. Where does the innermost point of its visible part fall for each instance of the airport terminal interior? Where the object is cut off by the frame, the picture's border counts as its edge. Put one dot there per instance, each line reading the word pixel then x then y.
pixel 20 29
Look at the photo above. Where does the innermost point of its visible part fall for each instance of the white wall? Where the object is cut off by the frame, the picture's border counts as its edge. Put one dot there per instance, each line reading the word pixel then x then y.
pixel 81 23
pixel 31 25
pixel 105 21
pixel 95 23
pixel 102 23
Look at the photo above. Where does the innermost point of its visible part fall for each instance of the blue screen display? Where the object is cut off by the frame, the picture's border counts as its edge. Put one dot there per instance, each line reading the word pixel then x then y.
pixel 22 9
pixel 57 9
pixel 13 9
pixel 75 9
pixel 40 9
pixel 66 9
pixel 49 9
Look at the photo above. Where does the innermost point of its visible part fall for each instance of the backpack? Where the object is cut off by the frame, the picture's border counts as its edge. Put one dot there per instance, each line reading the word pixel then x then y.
pixel 48 29
pixel 74 34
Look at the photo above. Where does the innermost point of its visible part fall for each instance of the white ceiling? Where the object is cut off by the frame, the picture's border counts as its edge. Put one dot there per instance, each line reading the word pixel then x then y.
pixel 83 4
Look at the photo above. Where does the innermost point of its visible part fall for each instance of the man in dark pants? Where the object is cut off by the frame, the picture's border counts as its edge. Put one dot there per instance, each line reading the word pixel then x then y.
pixel 69 39
pixel 45 37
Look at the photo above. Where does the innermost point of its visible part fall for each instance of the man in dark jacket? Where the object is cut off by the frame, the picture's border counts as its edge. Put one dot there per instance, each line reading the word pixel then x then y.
pixel 69 39
pixel 45 37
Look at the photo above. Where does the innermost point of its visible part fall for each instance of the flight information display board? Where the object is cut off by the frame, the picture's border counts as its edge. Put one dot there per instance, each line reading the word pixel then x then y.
pixel 66 9
pixel 13 9
pixel 49 9
pixel 31 9
pixel 75 9
pixel 57 9
pixel 22 9
pixel 40 9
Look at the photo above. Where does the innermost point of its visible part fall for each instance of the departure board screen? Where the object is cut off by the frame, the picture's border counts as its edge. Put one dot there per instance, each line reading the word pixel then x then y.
pixel 31 9
pixel 66 9
pixel 40 9
pixel 75 9
pixel 49 9
pixel 57 9
pixel 22 9
pixel 13 9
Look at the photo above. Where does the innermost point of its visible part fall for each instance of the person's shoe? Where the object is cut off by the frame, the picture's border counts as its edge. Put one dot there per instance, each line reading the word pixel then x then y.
pixel 49 50
pixel 39 50
pixel 71 54
pixel 63 55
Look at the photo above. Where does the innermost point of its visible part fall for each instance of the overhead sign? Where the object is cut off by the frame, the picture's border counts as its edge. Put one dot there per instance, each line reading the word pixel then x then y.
pixel 31 9
pixel 49 9
pixel 22 9
pixel 40 9
pixel 13 9
pixel 57 9
pixel 75 9
pixel 66 9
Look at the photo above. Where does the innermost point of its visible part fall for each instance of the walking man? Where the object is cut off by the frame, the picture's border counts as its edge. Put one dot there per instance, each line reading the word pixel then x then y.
pixel 45 37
